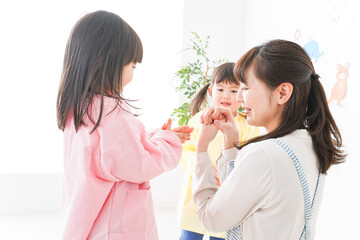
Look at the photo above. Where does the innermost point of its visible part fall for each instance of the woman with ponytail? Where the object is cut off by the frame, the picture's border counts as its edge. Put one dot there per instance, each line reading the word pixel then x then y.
pixel 272 185
pixel 223 88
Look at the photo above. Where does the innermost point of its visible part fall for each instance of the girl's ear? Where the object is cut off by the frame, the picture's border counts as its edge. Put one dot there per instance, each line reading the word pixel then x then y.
pixel 210 93
pixel 284 92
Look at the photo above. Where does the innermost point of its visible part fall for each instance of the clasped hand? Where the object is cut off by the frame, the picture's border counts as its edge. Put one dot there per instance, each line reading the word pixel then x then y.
pixel 213 120
pixel 182 132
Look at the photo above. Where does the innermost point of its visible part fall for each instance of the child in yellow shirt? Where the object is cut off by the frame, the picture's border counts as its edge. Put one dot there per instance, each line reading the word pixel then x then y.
pixel 223 88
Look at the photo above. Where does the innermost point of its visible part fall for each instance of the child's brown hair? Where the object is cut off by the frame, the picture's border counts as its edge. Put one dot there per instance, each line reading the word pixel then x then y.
pixel 100 45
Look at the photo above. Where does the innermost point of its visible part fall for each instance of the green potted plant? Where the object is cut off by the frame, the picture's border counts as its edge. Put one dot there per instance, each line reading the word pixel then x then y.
pixel 193 76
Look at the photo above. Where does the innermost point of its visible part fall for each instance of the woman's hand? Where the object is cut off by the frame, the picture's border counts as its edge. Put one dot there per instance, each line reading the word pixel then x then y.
pixel 182 132
pixel 206 134
pixel 223 119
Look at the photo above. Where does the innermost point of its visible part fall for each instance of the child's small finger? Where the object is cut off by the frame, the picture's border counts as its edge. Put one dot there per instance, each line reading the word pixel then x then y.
pixel 169 122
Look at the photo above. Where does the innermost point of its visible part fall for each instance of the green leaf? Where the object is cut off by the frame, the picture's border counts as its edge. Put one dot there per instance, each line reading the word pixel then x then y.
pixel 190 77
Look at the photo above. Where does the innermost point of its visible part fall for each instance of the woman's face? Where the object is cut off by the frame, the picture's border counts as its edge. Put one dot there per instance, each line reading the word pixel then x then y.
pixel 259 103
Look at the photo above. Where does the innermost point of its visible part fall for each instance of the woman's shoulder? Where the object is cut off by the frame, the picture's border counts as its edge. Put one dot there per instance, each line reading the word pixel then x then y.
pixel 261 149
pixel 274 148
pixel 264 145
pixel 254 155
pixel 260 146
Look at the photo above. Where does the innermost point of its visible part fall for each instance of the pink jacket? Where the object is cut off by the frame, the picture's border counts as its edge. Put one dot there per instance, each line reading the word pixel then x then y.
pixel 106 176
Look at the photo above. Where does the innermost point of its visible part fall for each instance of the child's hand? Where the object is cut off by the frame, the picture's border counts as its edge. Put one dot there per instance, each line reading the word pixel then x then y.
pixel 182 132
pixel 167 125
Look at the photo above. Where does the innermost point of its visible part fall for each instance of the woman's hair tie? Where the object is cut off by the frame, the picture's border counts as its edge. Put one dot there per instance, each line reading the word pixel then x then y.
pixel 314 77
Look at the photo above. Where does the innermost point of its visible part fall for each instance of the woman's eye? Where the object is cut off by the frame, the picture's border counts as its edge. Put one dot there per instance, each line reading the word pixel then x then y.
pixel 234 91
pixel 219 89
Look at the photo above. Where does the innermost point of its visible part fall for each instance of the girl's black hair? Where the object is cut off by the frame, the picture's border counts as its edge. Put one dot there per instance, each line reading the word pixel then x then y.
pixel 280 61
pixel 99 46
pixel 223 73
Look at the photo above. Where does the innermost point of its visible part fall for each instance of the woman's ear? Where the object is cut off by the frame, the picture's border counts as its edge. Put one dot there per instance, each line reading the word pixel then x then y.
pixel 210 93
pixel 284 92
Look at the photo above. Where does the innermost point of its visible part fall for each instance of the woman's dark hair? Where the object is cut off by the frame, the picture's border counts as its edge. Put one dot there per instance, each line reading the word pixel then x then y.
pixel 223 73
pixel 99 46
pixel 280 61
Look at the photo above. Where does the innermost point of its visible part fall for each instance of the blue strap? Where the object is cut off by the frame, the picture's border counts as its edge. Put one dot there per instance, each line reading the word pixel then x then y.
pixel 235 233
pixel 309 207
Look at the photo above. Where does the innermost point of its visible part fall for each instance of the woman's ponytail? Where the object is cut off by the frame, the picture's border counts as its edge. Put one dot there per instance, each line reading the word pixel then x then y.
pixel 280 61
pixel 197 102
pixel 320 123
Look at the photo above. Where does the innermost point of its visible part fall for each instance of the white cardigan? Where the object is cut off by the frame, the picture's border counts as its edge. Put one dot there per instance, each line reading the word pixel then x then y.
pixel 263 193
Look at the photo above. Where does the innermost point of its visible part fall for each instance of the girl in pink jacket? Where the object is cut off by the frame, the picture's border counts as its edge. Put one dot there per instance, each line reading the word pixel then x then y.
pixel 109 157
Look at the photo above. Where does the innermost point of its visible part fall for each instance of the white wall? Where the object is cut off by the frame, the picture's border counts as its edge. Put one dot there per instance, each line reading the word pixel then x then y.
pixel 335 26
pixel 223 20
pixel 30 192
pixel 34 35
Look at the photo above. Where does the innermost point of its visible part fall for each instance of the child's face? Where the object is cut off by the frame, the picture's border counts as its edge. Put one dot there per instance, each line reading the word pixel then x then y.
pixel 127 73
pixel 224 95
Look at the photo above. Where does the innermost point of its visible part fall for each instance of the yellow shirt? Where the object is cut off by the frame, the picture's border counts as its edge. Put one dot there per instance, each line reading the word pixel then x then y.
pixel 186 209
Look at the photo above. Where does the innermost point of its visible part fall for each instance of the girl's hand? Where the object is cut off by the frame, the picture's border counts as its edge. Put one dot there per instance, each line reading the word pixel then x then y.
pixel 223 119
pixel 182 132
pixel 206 134
pixel 167 125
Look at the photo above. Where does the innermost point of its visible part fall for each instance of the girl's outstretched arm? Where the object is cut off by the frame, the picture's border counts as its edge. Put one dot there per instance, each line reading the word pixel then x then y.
pixel 129 153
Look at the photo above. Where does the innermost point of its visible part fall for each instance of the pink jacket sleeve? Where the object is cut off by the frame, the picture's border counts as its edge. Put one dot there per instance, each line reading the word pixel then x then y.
pixel 129 153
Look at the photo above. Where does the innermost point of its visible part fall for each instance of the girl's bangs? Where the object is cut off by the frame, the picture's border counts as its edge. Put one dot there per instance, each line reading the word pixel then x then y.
pixel 228 80
pixel 138 50
pixel 225 74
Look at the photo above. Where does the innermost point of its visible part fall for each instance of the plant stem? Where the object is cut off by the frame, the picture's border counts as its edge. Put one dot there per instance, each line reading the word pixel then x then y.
pixel 206 73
